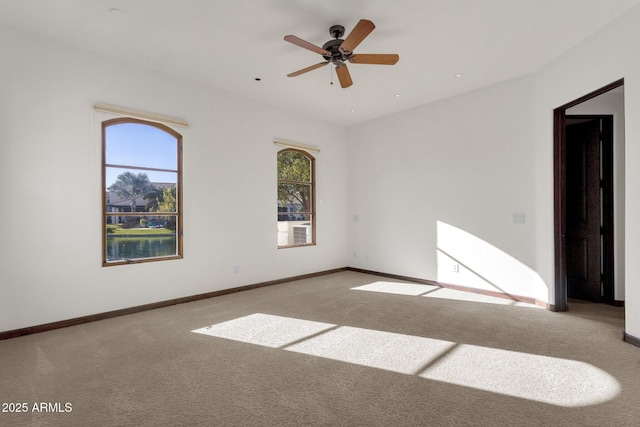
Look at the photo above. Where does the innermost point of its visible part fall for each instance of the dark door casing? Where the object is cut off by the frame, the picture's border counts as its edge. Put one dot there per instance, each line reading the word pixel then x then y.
pixel 561 201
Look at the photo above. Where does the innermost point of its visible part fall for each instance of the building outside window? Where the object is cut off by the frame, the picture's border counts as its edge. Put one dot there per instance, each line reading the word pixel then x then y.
pixel 142 182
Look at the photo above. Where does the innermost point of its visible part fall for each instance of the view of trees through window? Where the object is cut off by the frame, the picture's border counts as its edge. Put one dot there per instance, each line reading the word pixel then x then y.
pixel 296 204
pixel 141 177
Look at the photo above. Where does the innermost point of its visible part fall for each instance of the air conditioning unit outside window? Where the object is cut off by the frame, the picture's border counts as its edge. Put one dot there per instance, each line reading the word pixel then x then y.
pixel 301 234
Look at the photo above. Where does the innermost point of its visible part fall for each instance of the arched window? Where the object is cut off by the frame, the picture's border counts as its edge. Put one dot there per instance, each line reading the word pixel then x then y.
pixel 296 198
pixel 142 180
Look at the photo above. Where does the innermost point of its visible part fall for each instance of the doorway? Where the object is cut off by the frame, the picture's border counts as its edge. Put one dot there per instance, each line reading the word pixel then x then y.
pixel 589 212
pixel 583 204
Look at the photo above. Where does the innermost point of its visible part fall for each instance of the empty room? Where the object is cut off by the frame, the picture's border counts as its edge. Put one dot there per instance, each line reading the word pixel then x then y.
pixel 294 212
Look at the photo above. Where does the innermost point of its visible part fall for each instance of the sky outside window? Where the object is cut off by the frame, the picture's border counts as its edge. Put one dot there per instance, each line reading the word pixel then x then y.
pixel 143 146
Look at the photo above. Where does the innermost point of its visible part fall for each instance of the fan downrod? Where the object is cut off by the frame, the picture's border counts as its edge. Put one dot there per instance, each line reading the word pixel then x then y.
pixel 336 56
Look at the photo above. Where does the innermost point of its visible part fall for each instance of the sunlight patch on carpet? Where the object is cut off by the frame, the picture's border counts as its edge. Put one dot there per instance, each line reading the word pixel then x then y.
pixel 430 291
pixel 453 294
pixel 397 288
pixel 405 354
pixel 551 380
pixel 264 329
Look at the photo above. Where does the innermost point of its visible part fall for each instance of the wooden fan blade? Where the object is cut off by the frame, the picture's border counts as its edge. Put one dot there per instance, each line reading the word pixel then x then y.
pixel 306 70
pixel 305 44
pixel 344 76
pixel 359 32
pixel 375 58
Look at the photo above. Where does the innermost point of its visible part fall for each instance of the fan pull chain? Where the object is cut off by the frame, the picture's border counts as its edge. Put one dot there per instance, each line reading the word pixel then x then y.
pixel 330 75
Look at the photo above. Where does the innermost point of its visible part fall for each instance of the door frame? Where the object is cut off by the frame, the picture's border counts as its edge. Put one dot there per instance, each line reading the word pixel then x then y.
pixel 559 199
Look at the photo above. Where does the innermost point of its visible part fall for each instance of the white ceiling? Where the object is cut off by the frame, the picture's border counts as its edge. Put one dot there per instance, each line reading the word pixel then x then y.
pixel 229 43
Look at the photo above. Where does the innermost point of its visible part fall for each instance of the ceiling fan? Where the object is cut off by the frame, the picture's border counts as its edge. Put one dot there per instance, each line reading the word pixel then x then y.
pixel 339 51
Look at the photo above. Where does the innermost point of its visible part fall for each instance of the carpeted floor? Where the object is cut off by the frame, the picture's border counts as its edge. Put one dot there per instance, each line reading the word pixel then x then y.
pixel 345 349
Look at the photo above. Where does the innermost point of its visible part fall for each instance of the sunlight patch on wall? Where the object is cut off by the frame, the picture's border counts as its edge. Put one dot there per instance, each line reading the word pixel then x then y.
pixel 546 379
pixel 466 260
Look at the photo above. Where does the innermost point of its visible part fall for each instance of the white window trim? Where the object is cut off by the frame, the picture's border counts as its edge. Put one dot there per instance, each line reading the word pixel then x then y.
pixel 136 114
pixel 297 145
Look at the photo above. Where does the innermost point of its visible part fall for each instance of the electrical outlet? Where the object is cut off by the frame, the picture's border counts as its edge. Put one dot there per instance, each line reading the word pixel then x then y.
pixel 456 268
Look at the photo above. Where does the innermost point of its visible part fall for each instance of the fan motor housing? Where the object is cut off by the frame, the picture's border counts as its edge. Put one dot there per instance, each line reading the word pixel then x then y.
pixel 333 47
pixel 336 56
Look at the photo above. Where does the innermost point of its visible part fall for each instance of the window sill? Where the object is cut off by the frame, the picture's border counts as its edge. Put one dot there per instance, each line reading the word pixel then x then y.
pixel 296 246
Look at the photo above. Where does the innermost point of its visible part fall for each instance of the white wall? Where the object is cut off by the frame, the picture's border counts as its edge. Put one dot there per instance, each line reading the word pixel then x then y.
pixel 472 161
pixel 448 176
pixel 51 199
pixel 438 185
pixel 612 103
pixel 604 58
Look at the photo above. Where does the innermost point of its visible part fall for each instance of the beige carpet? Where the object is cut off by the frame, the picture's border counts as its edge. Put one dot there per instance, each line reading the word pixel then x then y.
pixel 346 349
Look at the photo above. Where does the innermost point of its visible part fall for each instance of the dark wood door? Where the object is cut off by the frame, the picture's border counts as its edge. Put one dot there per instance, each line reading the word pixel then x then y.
pixel 583 210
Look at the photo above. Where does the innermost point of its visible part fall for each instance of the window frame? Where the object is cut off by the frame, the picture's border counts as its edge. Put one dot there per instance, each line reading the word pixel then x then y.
pixel 179 198
pixel 312 184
